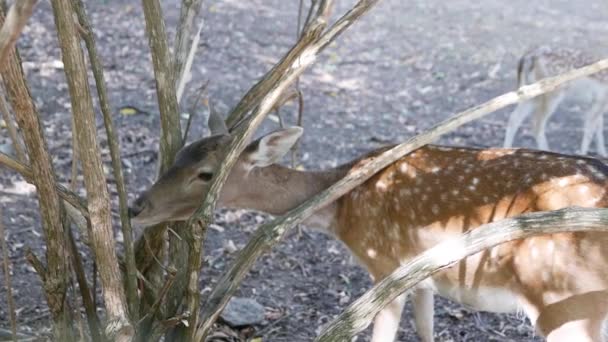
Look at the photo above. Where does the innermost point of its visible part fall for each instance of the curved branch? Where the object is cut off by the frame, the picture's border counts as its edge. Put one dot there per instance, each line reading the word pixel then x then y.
pixel 360 314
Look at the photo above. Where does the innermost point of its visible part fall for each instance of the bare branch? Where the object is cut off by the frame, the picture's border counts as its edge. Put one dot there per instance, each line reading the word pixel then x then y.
pixel 43 177
pixel 201 91
pixel 15 21
pixel 189 11
pixel 7 280
pixel 131 274
pixel 186 74
pixel 102 235
pixel 269 234
pixel 85 292
pixel 360 314
pixel 67 195
pixel 171 138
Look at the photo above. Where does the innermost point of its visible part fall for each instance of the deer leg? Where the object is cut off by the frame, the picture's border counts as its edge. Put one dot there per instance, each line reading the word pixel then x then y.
pixel 387 320
pixel 593 118
pixel 599 137
pixel 580 317
pixel 517 117
pixel 548 105
pixel 423 301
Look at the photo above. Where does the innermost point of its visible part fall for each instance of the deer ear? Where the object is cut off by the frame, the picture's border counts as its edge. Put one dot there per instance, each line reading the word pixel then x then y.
pixel 272 147
pixel 216 123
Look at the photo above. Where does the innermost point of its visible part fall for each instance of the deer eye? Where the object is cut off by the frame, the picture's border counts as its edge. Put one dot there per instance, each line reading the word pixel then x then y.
pixel 205 176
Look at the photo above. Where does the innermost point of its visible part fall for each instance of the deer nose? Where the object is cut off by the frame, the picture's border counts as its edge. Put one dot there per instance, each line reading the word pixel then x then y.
pixel 137 207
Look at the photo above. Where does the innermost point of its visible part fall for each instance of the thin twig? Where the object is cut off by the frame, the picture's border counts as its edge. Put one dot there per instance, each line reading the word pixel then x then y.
pixel 186 74
pixel 360 314
pixel 25 171
pixel 161 295
pixel 15 21
pixel 201 91
pixel 189 11
pixel 127 232
pixel 6 264
pixel 85 292
pixel 269 234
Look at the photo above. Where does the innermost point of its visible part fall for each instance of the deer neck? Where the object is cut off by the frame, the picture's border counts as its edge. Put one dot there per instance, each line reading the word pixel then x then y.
pixel 277 189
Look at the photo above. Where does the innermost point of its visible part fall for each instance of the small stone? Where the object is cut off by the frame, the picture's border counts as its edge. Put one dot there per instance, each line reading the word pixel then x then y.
pixel 242 312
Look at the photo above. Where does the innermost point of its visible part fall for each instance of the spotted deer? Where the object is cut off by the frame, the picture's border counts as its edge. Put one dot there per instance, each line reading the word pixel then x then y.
pixel 431 195
pixel 548 61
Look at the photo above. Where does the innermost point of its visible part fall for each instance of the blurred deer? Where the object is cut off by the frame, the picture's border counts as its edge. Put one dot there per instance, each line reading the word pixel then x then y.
pixel 545 62
pixel 431 195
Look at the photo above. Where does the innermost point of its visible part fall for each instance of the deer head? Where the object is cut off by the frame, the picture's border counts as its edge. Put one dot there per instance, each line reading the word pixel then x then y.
pixel 180 190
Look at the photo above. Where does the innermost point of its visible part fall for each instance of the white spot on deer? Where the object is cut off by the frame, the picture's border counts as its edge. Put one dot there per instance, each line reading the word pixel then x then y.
pixel 472 187
pixel 425 197
pixel 405 192
pixel 475 181
pixel 486 199
pixel 435 209
pixel 372 253
pixel 563 182
pixel 381 186
pixel 455 192
pixel 550 248
pixel 583 189
pixel 403 168
pixel 435 169
pixel 533 251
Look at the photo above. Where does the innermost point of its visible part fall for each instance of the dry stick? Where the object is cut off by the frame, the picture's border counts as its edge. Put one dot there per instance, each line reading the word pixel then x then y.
pixel 43 177
pixel 294 149
pixel 119 327
pixel 171 137
pixel 15 21
pixel 253 97
pixel 360 314
pixel 202 90
pixel 189 11
pixel 7 280
pixel 96 65
pixel 186 75
pixel 85 292
pixel 26 172
pixel 12 130
pixel 271 233
pixel 306 50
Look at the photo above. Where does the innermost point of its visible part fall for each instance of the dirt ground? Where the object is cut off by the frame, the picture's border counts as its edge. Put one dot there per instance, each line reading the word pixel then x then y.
pixel 403 68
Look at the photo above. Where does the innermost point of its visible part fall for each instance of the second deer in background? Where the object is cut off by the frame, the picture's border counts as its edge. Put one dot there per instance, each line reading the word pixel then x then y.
pixel 546 61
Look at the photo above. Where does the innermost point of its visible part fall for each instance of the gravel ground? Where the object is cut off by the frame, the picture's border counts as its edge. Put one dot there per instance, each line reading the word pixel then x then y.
pixel 403 68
